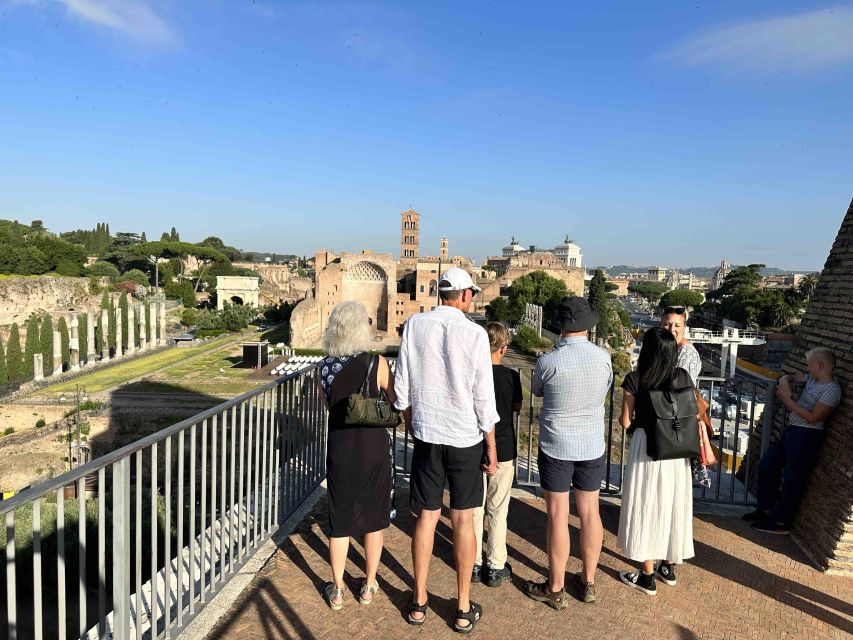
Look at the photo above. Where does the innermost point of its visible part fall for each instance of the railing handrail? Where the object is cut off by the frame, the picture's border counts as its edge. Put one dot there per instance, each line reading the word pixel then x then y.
pixel 31 493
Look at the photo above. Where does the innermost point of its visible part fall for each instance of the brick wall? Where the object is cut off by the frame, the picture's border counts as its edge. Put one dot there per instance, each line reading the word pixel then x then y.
pixel 824 525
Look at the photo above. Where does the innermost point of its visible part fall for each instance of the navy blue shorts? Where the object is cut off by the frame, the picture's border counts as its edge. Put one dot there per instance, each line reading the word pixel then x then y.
pixel 559 475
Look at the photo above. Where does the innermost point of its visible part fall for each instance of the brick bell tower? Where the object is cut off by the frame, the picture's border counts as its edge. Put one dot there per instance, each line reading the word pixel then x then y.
pixel 410 231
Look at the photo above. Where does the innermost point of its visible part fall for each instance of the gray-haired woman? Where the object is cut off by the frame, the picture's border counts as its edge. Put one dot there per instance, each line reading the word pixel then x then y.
pixel 358 458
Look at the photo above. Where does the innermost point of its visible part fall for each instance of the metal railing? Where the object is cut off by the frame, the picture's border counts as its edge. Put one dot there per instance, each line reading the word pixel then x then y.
pixel 172 517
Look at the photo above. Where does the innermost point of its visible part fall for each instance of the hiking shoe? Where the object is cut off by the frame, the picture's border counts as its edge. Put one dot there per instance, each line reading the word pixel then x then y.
pixel 477 573
pixel 769 526
pixel 586 590
pixel 753 516
pixel 666 572
pixel 494 577
pixel 541 592
pixel 640 581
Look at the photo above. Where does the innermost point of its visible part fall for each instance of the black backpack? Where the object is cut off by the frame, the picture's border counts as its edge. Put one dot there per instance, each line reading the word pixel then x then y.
pixel 675 433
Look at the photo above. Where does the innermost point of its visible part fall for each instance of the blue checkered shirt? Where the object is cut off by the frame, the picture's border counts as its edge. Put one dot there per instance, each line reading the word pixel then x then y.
pixel 573 380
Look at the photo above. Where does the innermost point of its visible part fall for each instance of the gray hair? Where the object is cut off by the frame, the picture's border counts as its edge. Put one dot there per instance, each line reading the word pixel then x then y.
pixel 348 331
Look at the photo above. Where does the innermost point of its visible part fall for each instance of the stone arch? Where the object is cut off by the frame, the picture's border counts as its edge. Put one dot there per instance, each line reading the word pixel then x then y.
pixel 236 300
pixel 433 287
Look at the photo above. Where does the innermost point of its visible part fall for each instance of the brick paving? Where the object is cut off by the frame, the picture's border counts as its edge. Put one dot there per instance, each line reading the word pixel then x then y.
pixel 739 585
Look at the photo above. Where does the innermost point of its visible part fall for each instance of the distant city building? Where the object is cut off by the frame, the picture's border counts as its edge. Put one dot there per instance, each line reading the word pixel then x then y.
pixel 442 251
pixel 657 274
pixel 410 230
pixel 784 281
pixel 621 286
pixel 569 253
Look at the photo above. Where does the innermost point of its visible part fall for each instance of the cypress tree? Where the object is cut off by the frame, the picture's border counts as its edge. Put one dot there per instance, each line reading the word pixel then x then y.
pixel 83 334
pixel 173 236
pixel 32 346
pixel 4 374
pixel 47 344
pixel 65 341
pixel 143 238
pixel 14 355
pixel 598 301
pixel 122 303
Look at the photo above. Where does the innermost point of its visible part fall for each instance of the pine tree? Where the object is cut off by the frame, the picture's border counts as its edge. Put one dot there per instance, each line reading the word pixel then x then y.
pixel 83 334
pixel 122 304
pixel 32 346
pixel 14 356
pixel 47 344
pixel 598 302
pixel 65 342
pixel 4 374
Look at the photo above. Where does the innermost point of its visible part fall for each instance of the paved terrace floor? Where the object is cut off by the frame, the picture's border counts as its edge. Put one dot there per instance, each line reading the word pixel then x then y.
pixel 739 585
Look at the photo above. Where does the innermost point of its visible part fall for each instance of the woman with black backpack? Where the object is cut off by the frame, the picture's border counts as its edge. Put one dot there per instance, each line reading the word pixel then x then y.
pixel 659 410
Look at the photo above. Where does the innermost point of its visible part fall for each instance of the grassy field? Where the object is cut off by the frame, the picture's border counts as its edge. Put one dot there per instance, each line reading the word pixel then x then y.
pixel 212 373
pixel 99 381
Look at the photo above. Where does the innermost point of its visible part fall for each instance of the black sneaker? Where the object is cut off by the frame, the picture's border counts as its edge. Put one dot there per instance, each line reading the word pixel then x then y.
pixel 769 526
pixel 753 516
pixel 477 573
pixel 494 577
pixel 640 581
pixel 666 572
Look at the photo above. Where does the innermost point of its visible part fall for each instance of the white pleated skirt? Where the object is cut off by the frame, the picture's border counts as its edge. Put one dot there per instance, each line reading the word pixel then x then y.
pixel 656 519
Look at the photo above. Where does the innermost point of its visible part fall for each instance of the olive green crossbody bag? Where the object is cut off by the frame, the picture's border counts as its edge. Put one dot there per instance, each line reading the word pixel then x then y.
pixel 370 412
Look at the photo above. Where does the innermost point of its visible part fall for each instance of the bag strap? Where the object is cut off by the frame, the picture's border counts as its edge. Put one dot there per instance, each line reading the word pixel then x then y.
pixel 365 386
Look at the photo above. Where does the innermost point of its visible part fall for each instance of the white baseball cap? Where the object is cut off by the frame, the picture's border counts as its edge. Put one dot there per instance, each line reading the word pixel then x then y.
pixel 459 280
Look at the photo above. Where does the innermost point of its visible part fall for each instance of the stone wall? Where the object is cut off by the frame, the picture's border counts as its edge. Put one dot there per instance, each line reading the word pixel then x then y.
pixel 824 524
pixel 21 297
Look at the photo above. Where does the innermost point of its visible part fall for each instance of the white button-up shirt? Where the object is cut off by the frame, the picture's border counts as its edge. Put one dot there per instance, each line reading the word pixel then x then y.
pixel 444 373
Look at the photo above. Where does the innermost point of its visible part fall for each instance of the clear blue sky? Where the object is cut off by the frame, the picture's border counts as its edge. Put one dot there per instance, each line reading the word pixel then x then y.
pixel 673 133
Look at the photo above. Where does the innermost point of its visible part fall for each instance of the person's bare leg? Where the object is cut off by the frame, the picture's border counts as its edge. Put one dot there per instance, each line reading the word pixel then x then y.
pixel 373 542
pixel 648 567
pixel 464 549
pixel 338 548
pixel 422 542
pixel 557 506
pixel 592 532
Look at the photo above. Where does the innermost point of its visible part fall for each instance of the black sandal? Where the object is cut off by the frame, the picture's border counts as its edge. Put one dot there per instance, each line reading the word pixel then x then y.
pixel 417 608
pixel 473 615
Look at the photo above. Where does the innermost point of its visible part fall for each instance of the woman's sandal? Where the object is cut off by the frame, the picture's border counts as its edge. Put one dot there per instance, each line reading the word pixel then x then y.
pixel 473 615
pixel 417 608
pixel 332 592
pixel 369 590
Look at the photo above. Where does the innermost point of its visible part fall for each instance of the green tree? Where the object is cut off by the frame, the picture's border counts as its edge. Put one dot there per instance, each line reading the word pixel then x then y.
pixel 498 309
pixel 4 373
pixel 598 301
pixel 83 334
pixel 173 236
pixel 808 285
pixel 103 269
pixel 136 275
pixel 32 346
pixel 69 268
pixel 65 342
pixel 14 355
pixel 122 304
pixel 620 361
pixel 681 298
pixel 46 341
pixel 536 288
pixel 143 238
pixel 651 291
pixel 528 341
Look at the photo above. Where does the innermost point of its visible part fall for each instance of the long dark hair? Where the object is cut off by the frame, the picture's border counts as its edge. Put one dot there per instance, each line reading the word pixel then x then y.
pixel 658 359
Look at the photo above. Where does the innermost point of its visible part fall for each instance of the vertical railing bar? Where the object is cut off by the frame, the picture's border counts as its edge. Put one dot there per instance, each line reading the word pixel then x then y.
pixel 318 426
pixel 271 452
pixel 702 488
pixel 167 541
pixel 11 582
pixel 278 457
pixel 179 505
pixel 137 569
pixel 256 498
pixel 530 434
pixel 739 396
pixel 231 495
pixel 192 519
pixel 612 398
pixel 241 512
pixel 102 552
pixel 263 446
pixel 121 549
pixel 222 486
pixel 60 562
pixel 250 514
pixel 304 403
pixel 747 456
pixel 722 439
pixel 213 442
pixel 37 581
pixel 203 522
pixel 291 444
pixel 155 526
pixel 82 599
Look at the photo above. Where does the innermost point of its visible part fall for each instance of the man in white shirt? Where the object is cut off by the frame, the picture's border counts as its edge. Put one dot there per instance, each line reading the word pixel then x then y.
pixel 444 384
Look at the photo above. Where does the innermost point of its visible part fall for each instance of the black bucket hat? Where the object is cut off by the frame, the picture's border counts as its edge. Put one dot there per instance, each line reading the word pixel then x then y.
pixel 574 314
